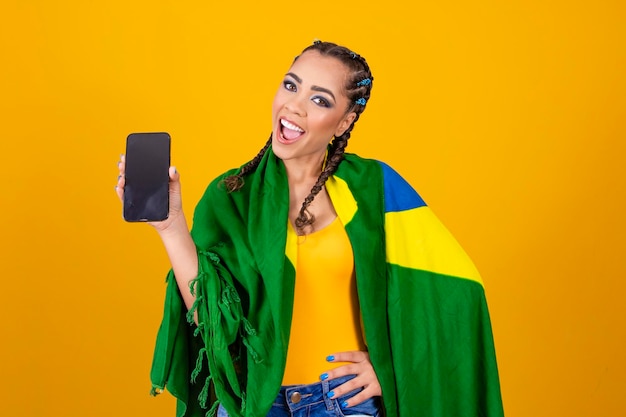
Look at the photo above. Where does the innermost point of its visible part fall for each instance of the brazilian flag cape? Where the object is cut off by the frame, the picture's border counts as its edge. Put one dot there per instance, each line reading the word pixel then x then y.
pixel 422 302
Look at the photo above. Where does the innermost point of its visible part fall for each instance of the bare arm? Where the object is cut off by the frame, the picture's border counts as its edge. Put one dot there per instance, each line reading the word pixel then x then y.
pixel 183 256
pixel 174 233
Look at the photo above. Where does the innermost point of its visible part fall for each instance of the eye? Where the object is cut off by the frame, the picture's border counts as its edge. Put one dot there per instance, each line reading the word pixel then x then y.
pixel 290 86
pixel 321 101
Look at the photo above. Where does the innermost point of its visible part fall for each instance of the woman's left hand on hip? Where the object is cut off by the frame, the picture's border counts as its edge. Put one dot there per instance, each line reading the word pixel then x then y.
pixel 358 363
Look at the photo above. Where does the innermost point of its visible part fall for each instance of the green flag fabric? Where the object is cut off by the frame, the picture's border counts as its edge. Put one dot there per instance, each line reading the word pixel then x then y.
pixel 422 301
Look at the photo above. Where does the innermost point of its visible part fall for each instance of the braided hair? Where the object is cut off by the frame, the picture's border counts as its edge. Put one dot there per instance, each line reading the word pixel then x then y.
pixel 357 88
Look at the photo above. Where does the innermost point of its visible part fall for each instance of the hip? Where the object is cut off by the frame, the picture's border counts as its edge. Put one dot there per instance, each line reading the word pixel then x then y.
pixel 312 400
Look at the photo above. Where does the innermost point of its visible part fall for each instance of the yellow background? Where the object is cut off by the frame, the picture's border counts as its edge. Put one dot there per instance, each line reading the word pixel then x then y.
pixel 507 116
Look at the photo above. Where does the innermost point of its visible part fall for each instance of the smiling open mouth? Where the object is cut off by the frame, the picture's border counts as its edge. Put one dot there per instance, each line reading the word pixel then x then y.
pixel 289 131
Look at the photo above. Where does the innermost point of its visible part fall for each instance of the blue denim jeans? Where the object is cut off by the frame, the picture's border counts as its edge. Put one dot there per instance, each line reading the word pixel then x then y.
pixel 312 401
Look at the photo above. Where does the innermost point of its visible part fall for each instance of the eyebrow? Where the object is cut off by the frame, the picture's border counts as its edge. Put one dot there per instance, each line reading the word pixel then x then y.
pixel 313 87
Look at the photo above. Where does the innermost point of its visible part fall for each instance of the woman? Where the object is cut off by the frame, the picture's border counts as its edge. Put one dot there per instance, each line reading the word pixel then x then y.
pixel 320 282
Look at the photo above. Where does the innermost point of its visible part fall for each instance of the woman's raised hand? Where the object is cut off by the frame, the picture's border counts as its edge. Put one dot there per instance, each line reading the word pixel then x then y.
pixel 173 232
pixel 175 208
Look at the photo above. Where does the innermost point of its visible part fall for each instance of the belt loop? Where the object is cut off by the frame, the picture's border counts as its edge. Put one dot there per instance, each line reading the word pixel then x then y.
pixel 325 391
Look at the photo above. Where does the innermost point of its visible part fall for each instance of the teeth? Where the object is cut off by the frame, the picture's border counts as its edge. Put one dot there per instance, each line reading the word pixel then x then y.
pixel 290 126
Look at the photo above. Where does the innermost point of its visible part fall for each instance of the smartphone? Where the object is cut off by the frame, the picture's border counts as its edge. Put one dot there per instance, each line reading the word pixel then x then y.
pixel 146 193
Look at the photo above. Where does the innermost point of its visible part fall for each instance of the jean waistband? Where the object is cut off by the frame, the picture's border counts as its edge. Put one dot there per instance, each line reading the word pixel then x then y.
pixel 295 397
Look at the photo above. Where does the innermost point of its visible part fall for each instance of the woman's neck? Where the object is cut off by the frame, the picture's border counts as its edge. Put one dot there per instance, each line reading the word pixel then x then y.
pixel 302 170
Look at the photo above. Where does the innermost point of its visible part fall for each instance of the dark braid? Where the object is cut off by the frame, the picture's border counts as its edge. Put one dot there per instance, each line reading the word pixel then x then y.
pixel 355 89
pixel 358 88
pixel 235 182
pixel 335 156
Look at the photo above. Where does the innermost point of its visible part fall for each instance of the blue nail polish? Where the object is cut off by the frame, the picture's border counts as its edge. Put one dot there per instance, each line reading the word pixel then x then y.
pixel 331 394
pixel 344 404
pixel 330 358
pixel 324 376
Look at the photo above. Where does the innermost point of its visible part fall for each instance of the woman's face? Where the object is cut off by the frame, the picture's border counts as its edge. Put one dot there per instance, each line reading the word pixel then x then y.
pixel 310 108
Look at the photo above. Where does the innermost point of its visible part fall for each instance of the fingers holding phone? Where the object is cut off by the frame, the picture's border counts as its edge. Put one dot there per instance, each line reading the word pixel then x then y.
pixel 175 204
pixel 121 179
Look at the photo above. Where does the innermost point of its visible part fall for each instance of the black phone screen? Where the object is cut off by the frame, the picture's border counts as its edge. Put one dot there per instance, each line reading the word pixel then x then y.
pixel 146 191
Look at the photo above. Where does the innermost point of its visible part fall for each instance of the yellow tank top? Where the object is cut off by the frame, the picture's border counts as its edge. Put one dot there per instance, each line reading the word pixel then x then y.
pixel 326 317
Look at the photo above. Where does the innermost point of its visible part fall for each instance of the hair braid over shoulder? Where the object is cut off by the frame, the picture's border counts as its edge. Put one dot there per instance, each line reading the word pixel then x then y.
pixel 235 182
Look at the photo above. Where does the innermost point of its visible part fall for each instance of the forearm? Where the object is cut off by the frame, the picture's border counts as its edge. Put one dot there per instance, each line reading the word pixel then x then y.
pixel 183 256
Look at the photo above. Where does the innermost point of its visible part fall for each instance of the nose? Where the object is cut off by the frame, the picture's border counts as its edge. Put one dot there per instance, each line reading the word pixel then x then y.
pixel 296 105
